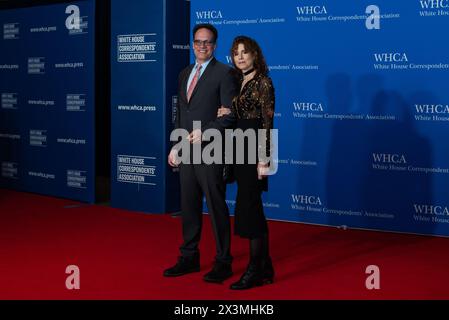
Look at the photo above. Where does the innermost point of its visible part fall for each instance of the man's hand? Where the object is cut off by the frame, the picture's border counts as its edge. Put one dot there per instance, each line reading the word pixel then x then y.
pixel 173 159
pixel 195 136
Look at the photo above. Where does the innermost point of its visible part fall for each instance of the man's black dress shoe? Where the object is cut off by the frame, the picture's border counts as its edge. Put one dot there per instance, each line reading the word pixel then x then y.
pixel 219 273
pixel 183 266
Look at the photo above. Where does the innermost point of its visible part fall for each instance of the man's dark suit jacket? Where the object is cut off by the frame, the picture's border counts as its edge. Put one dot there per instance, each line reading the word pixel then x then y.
pixel 216 87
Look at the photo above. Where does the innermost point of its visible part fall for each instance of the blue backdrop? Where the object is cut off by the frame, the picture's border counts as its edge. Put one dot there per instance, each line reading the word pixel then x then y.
pixel 361 108
pixel 47 100
pixel 149 42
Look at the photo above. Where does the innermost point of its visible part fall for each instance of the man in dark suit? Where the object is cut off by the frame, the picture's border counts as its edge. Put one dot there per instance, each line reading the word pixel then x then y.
pixel 203 87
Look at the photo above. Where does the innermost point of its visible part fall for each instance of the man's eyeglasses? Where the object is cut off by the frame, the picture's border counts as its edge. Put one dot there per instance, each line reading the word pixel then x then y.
pixel 200 43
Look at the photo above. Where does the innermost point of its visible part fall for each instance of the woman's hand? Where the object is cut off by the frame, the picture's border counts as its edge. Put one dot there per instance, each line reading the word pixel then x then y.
pixel 262 170
pixel 223 111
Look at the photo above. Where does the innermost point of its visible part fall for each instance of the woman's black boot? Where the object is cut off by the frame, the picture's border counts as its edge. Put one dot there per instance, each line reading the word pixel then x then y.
pixel 260 268
pixel 252 277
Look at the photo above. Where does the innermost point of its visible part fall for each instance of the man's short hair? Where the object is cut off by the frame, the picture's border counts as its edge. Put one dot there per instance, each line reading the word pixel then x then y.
pixel 207 26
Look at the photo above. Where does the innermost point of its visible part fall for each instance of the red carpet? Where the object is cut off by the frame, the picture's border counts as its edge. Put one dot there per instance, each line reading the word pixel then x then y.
pixel 121 255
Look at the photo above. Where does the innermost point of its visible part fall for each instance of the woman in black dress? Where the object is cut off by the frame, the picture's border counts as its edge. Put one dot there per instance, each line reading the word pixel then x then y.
pixel 254 110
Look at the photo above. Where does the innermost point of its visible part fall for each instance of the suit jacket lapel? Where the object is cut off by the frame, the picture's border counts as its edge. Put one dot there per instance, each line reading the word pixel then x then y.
pixel 183 92
pixel 203 77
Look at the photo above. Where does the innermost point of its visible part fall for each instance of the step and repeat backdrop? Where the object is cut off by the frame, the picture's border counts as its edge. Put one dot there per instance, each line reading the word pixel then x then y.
pixel 362 104
pixel 362 94
pixel 47 91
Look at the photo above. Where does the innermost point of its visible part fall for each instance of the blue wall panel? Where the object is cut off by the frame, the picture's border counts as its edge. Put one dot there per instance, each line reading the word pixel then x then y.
pixel 149 48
